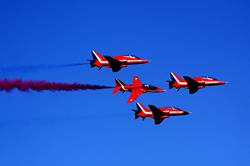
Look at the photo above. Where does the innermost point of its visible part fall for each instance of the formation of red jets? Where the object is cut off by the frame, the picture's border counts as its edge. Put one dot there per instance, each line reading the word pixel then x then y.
pixel 116 63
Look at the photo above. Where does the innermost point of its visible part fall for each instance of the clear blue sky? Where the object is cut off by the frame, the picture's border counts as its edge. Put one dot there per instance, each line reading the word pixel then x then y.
pixel 97 128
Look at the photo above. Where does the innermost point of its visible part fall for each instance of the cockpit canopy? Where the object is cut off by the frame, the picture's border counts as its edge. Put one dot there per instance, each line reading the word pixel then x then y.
pixel 149 86
pixel 176 108
pixel 210 78
pixel 132 56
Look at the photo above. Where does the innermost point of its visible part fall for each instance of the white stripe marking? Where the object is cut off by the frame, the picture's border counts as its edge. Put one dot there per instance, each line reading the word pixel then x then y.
pixel 177 80
pixel 98 58
pixel 143 110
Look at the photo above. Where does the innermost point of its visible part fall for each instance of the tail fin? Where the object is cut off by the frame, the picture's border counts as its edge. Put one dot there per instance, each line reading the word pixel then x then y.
pixel 97 56
pixel 94 59
pixel 143 109
pixel 175 79
pixel 119 85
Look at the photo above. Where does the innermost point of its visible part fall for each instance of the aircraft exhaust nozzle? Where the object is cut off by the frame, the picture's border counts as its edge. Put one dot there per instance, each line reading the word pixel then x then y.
pixel 161 90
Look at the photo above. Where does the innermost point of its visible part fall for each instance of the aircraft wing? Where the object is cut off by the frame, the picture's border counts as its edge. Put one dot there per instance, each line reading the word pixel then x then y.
pixel 192 85
pixel 136 81
pixel 134 95
pixel 157 113
pixel 114 64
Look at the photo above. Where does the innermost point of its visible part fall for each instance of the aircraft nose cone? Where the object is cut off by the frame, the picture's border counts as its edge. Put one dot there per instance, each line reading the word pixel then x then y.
pixel 186 113
pixel 145 61
pixel 161 90
pixel 222 82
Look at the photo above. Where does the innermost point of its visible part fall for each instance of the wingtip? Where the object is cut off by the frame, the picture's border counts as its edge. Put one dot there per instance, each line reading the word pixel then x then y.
pixel 136 77
pixel 130 101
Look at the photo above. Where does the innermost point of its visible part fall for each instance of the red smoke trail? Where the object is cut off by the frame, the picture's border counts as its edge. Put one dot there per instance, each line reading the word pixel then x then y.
pixel 8 85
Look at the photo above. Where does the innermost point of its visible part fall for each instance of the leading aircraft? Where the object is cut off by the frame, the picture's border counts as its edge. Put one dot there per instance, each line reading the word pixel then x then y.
pixel 193 84
pixel 115 62
pixel 158 114
pixel 136 89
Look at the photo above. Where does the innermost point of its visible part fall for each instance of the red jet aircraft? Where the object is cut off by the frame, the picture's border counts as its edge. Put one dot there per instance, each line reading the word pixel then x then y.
pixel 158 114
pixel 116 62
pixel 136 89
pixel 193 84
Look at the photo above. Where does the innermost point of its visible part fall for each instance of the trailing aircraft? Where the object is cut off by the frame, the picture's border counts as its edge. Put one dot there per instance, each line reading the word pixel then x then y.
pixel 115 62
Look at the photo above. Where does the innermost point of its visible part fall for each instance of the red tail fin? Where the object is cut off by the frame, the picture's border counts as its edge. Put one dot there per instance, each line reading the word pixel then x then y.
pixel 99 57
pixel 119 85
pixel 175 79
pixel 143 109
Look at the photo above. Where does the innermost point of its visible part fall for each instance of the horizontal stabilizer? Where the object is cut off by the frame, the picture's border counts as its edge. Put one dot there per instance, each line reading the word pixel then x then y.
pixel 92 63
pixel 116 89
pixel 136 113
pixel 170 84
